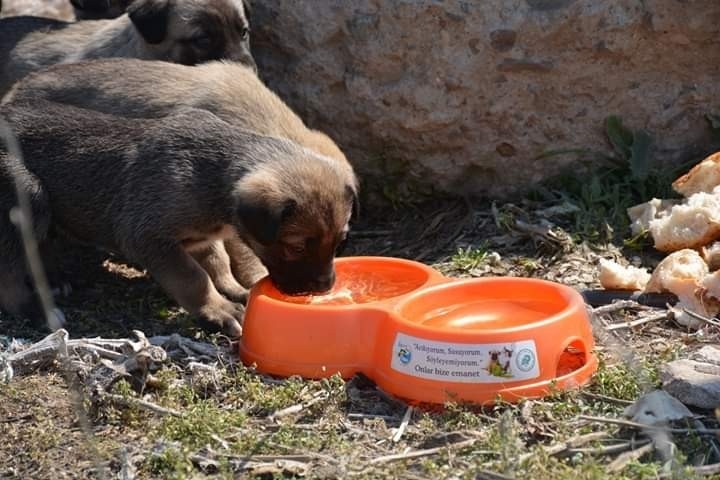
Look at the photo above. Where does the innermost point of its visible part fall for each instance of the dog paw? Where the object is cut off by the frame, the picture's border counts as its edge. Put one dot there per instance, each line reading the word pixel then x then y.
pixel 235 293
pixel 226 316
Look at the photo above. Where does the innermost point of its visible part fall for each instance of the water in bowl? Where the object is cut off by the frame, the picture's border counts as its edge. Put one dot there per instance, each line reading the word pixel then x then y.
pixel 355 285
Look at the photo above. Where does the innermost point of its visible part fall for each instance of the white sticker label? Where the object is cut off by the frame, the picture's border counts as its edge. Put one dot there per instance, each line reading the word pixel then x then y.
pixel 465 362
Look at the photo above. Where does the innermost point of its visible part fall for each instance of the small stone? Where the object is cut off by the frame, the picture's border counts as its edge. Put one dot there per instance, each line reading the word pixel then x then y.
pixel 695 383
pixel 657 408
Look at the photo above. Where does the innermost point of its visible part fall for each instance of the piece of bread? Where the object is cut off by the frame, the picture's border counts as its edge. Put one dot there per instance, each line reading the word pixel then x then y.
pixel 614 276
pixel 680 272
pixel 711 255
pixel 641 215
pixel 703 177
pixel 691 224
pixel 683 273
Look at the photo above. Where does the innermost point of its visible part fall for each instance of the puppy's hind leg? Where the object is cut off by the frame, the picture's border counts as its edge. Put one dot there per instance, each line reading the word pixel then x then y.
pixel 216 262
pixel 185 280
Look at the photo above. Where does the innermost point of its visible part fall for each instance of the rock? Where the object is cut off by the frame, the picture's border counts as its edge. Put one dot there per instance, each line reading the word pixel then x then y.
pixel 657 408
pixel 467 96
pixel 694 381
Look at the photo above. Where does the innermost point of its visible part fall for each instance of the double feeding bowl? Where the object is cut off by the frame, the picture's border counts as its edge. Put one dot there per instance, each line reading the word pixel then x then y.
pixel 424 337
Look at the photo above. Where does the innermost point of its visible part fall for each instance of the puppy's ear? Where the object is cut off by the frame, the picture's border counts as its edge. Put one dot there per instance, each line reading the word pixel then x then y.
pixel 150 17
pixel 248 8
pixel 352 194
pixel 262 218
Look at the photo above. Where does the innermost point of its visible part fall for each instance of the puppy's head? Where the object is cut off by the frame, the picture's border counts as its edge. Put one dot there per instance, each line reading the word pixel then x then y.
pixel 194 31
pixel 294 212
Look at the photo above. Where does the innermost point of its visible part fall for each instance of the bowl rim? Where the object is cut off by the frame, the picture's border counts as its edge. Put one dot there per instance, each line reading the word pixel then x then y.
pixel 259 291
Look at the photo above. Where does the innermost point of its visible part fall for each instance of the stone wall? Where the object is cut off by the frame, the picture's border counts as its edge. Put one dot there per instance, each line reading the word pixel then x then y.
pixel 466 95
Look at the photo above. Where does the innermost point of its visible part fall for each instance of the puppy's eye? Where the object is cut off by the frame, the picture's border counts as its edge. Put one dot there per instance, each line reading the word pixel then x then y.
pixel 201 41
pixel 294 249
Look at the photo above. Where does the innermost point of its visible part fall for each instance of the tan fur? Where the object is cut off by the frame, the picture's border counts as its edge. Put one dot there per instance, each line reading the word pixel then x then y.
pixel 150 89
pixel 231 91
pixel 28 44
pixel 167 193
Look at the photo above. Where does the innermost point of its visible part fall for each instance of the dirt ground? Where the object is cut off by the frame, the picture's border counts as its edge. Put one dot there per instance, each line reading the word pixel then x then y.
pixel 341 428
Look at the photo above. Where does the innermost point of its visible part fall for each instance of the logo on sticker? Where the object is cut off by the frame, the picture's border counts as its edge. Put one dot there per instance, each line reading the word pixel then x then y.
pixel 525 360
pixel 404 354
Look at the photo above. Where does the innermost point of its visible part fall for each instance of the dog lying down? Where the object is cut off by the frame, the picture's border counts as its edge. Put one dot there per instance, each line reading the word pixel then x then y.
pixel 165 193
pixel 180 31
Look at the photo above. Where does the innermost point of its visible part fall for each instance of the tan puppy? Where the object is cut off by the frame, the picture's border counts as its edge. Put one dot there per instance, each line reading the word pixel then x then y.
pixel 147 89
pixel 166 192
pixel 182 31
pixel 153 89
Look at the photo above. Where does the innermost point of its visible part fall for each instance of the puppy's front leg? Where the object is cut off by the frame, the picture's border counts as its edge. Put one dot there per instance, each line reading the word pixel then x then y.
pixel 246 266
pixel 216 262
pixel 183 278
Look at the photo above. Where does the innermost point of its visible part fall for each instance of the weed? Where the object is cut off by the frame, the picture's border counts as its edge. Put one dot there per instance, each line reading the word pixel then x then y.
pixel 623 179
pixel 469 258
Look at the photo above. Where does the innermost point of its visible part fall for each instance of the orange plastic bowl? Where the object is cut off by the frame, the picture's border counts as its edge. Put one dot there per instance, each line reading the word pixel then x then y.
pixel 424 337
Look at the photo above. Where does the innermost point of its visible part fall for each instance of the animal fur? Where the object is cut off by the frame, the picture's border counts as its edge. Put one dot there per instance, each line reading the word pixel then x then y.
pixel 180 31
pixel 165 193
pixel 147 89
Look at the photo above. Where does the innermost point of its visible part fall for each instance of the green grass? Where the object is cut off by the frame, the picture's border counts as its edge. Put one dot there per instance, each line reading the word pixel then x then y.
pixel 469 258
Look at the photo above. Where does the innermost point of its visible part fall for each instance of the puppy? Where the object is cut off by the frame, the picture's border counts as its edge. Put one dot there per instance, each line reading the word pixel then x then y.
pixel 181 31
pixel 147 89
pixel 166 192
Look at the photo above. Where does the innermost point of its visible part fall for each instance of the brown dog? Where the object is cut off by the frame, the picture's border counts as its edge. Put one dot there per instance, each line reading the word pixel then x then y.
pixel 166 192
pixel 181 31
pixel 146 89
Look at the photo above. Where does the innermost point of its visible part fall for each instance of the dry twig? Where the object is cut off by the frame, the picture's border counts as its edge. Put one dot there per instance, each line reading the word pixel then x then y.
pixel 429 451
pixel 621 462
pixel 635 323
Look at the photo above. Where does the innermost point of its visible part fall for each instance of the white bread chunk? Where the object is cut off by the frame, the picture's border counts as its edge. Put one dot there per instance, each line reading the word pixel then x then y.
pixel 703 177
pixel 680 273
pixel 641 215
pixel 614 276
pixel 683 273
pixel 691 224
pixel 711 255
pixel 711 285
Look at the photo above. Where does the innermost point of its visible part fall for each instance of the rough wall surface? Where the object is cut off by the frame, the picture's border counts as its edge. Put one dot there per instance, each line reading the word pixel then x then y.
pixel 467 94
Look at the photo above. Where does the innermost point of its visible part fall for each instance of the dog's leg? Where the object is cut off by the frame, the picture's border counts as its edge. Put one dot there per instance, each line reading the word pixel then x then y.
pixel 246 266
pixel 185 280
pixel 216 262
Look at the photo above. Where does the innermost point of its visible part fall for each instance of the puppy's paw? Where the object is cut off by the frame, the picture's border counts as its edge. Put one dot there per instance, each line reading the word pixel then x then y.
pixel 235 293
pixel 223 315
